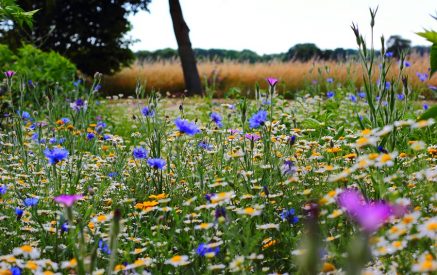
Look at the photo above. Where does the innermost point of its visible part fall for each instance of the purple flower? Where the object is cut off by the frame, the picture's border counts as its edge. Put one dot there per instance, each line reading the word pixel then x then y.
pixel 139 153
pixel 90 136
pixel 9 74
pixel 407 64
pixel 217 119
pixel 258 119
pixel 288 168
pixel 389 54
pixel 422 77
pixel 272 81
pixel 156 163
pixel 425 106
pixel 387 85
pixel 369 215
pixel 362 94
pixel 19 212
pixel 353 98
pixel 434 88
pixel 79 104
pixel 103 246
pixel 55 155
pixel 67 200
pixel 186 127
pixel 330 80
pixel 330 94
pixel 205 146
pixel 252 137
pixel 400 96
pixel 147 112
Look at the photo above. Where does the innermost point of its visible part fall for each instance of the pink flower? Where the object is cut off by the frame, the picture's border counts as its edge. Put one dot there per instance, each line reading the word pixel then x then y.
pixel 9 74
pixel 67 200
pixel 253 137
pixel 369 215
pixel 272 81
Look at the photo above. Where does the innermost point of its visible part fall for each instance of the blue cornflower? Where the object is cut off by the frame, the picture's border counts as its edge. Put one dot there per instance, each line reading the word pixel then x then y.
pixel 97 87
pixel 35 137
pixel 103 246
pixel 53 140
pixel 203 249
pixel 407 64
pixel 106 137
pixel 434 88
pixel 217 119
pixel 147 112
pixel 400 96
pixel 186 127
pixel 330 94
pixel 90 136
pixel 425 106
pixel 30 202
pixel 55 155
pixel 205 146
pixel 292 139
pixel 362 94
pixel 422 77
pixel 19 212
pixel 65 120
pixel 24 115
pixel 288 168
pixel 387 85
pixel 258 119
pixel 77 83
pixel 330 80
pixel 389 54
pixel 112 174
pixel 156 163
pixel 15 270
pixel 289 215
pixel 353 98
pixel 64 227
pixel 100 126
pixel 3 189
pixel 139 153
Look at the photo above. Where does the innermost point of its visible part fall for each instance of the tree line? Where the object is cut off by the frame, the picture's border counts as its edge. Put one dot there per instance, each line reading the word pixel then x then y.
pixel 300 52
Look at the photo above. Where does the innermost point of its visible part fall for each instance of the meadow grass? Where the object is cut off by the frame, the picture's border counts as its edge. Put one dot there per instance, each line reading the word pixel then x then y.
pixel 166 76
pixel 205 186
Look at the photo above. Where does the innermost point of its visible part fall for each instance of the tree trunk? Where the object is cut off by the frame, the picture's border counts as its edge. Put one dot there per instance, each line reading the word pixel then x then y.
pixel 186 53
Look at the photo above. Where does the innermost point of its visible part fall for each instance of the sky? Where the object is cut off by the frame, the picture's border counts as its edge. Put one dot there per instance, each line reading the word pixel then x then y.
pixel 274 26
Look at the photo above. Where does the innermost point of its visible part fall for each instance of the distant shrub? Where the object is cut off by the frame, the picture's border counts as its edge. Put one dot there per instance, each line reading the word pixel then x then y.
pixel 33 64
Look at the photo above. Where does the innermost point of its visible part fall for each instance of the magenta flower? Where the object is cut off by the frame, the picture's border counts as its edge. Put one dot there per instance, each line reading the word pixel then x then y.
pixel 272 81
pixel 369 215
pixel 253 137
pixel 9 74
pixel 67 200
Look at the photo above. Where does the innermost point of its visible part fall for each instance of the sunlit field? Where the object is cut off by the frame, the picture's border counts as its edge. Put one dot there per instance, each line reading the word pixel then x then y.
pixel 224 77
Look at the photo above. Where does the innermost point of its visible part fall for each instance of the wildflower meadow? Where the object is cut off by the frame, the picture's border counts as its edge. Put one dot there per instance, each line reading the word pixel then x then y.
pixel 336 181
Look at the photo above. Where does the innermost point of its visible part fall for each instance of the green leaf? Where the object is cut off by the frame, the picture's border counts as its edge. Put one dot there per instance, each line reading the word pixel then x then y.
pixel 429 35
pixel 433 59
pixel 430 113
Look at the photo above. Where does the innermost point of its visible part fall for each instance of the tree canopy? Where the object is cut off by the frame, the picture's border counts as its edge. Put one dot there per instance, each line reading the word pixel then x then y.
pixel 91 33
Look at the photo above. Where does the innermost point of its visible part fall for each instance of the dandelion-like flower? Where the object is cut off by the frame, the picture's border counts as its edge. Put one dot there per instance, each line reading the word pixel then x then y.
pixel 178 260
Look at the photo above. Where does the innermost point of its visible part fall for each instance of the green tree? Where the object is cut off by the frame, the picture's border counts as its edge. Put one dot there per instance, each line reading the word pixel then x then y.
pixel 91 33
pixel 303 52
pixel 397 45
pixel 9 10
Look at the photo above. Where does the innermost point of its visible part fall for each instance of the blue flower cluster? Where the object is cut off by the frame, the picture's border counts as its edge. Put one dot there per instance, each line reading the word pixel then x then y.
pixel 55 155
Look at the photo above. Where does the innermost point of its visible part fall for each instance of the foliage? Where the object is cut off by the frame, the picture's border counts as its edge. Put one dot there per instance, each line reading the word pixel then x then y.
pixel 398 45
pixel 40 67
pixel 9 10
pixel 90 33
pixel 431 36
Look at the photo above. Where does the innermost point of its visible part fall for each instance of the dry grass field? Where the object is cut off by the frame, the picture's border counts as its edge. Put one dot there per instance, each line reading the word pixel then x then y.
pixel 167 75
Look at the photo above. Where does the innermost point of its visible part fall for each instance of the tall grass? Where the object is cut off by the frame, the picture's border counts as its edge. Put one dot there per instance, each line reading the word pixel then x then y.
pixel 167 75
